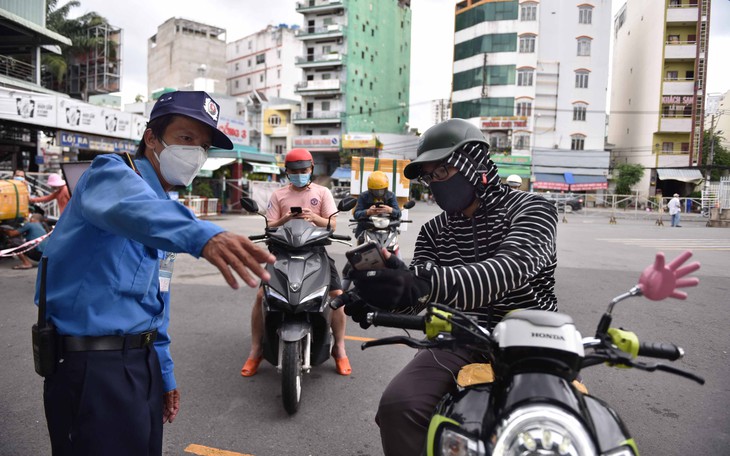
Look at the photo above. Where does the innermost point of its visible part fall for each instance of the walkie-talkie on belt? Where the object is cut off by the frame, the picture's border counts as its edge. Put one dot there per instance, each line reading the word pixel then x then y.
pixel 45 339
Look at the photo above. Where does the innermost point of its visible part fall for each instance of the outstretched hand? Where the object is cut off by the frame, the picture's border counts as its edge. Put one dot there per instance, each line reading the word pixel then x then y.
pixel 661 280
pixel 227 251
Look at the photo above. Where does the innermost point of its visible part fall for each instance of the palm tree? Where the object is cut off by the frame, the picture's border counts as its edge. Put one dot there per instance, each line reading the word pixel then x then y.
pixel 85 44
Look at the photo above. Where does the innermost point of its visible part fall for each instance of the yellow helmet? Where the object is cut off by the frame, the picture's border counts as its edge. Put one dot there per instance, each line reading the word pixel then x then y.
pixel 378 180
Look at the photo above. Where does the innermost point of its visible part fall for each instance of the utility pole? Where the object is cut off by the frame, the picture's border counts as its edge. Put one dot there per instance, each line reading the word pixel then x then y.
pixel 711 155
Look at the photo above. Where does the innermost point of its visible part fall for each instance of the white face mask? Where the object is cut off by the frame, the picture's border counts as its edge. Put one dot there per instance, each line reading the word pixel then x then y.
pixel 180 164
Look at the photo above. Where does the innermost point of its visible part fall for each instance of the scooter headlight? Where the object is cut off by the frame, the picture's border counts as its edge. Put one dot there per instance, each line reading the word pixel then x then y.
pixel 380 222
pixel 543 430
pixel 275 299
pixel 454 443
pixel 315 295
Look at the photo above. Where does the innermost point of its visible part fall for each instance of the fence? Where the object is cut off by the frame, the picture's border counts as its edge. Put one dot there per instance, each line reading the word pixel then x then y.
pixel 201 207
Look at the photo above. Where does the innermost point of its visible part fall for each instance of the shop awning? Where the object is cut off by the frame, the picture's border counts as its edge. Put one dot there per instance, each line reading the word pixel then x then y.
pixel 693 176
pixel 247 153
pixel 211 164
pixel 342 173
pixel 583 182
pixel 266 168
pixel 550 182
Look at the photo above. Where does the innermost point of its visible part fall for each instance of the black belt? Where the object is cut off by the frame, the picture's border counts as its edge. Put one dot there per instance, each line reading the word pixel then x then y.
pixel 104 343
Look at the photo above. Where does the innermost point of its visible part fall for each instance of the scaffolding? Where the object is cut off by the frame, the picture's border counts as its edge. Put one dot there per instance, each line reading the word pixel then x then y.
pixel 98 71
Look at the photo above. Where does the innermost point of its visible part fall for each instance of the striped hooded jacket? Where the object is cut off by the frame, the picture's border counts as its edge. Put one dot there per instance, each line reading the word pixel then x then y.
pixel 502 259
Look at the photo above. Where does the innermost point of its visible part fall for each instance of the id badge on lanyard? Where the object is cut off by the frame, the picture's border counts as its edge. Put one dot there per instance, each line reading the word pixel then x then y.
pixel 166 266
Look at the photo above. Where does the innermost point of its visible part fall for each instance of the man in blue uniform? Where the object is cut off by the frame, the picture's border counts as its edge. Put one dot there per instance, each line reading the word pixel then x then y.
pixel 110 262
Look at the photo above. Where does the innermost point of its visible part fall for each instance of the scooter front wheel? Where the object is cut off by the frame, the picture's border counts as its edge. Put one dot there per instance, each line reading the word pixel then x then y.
pixel 291 376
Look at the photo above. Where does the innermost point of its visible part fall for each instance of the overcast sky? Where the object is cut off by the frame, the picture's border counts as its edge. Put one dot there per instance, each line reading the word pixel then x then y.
pixel 431 47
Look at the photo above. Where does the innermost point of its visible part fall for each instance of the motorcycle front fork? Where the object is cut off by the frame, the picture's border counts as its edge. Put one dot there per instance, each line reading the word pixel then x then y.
pixel 306 357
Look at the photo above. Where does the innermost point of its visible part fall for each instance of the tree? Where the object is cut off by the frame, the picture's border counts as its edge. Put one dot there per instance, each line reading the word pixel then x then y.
pixel 83 44
pixel 629 174
pixel 721 155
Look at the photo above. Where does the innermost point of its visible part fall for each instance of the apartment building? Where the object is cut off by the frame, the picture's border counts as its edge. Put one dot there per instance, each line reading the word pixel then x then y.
pixel 533 76
pixel 657 98
pixel 356 75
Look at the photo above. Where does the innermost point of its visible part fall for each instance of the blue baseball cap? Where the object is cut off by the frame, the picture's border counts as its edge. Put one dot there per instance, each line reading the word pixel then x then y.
pixel 197 105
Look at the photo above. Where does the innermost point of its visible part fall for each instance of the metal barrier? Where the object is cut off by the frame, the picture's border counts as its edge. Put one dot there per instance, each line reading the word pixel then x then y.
pixel 201 207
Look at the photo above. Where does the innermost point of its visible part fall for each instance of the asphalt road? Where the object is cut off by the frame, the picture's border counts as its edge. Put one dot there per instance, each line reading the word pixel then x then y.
pixel 220 410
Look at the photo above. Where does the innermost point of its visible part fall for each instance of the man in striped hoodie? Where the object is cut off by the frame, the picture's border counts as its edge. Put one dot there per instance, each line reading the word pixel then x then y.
pixel 491 250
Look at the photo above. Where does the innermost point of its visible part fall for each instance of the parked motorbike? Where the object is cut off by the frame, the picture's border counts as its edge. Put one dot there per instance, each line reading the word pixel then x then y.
pixel 380 229
pixel 297 318
pixel 527 401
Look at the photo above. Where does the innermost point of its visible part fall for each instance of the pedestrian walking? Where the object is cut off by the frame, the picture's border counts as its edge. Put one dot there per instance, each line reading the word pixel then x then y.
pixel 675 209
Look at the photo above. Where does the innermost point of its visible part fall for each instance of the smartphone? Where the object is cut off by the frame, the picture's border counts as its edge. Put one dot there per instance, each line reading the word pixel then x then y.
pixel 366 257
pixel 295 210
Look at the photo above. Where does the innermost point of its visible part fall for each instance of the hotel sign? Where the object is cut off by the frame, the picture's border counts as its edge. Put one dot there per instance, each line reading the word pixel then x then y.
pixel 503 123
pixel 678 99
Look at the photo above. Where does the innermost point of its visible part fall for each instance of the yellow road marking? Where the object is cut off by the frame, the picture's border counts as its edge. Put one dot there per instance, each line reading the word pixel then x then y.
pixel 208 451
pixel 359 339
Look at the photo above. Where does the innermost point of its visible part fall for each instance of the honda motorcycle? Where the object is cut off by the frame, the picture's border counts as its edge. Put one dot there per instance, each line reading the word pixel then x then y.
pixel 297 318
pixel 527 400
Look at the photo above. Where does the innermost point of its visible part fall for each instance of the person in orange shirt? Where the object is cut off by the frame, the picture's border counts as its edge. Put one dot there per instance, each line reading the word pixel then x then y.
pixel 61 194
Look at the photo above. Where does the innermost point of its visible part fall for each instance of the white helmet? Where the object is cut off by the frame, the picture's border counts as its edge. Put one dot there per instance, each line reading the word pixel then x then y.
pixel 514 181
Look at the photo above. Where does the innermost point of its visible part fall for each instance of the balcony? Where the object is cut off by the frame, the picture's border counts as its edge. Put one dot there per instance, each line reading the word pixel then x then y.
pixel 321 61
pixel 318 117
pixel 322 6
pixel 320 33
pixel 680 50
pixel 678 87
pixel 682 14
pixel 16 69
pixel 675 124
pixel 319 87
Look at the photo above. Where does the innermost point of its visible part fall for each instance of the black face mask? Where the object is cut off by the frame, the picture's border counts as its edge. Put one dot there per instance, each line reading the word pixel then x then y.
pixel 454 194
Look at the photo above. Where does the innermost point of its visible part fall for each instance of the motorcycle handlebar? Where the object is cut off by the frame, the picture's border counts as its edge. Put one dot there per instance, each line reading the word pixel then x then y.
pixel 340 237
pixel 257 237
pixel 397 320
pixel 660 350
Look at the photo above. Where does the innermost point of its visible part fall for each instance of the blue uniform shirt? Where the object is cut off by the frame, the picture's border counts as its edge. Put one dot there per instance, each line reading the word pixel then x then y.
pixel 104 255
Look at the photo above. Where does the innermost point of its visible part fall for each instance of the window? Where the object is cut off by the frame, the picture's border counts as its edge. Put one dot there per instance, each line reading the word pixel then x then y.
pixel 328 21
pixel 325 106
pixel 279 149
pixel 249 63
pixel 577 142
pixel 579 112
pixel 261 77
pixel 250 44
pixel 522 142
pixel 274 120
pixel 585 14
pixel 672 75
pixel 528 12
pixel 524 77
pixel 685 147
pixel 667 146
pixel 324 132
pixel 326 49
pixel 523 108
pixel 581 79
pixel 278 74
pixel 527 44
pixel 236 66
pixel 236 83
pixel 326 76
pixel 261 58
pixel 673 39
pixel 248 81
pixel 584 46
pixel 689 75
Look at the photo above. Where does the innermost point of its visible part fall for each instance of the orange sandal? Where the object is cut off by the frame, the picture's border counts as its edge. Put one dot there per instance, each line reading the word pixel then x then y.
pixel 343 366
pixel 251 367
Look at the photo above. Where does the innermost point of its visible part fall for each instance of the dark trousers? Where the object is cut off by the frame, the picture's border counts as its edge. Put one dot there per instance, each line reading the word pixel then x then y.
pixel 105 403
pixel 409 400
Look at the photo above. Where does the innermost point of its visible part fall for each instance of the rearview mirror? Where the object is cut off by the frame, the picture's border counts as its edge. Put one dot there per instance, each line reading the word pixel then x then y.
pixel 249 205
pixel 346 204
pixel 409 204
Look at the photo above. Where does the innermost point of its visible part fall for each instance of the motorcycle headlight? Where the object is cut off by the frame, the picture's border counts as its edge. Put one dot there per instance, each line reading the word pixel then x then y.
pixel 316 294
pixel 543 430
pixel 454 443
pixel 274 298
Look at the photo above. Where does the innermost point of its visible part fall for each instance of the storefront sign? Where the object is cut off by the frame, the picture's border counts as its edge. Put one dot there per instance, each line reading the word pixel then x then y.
pixel 589 186
pixel 677 99
pixel 88 142
pixel 359 142
pixel 29 108
pixel 235 129
pixel 328 143
pixel 503 123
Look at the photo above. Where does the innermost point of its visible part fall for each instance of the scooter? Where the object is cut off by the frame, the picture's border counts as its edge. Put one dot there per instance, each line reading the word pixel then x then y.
pixel 527 400
pixel 380 229
pixel 297 318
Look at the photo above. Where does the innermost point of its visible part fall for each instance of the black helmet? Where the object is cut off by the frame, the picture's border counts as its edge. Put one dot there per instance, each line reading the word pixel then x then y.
pixel 439 141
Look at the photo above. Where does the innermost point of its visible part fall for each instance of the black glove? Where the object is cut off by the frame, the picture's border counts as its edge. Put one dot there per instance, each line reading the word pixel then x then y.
pixel 391 289
pixel 354 307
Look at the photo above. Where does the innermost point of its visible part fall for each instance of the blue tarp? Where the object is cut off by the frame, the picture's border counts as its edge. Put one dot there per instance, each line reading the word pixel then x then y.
pixel 342 173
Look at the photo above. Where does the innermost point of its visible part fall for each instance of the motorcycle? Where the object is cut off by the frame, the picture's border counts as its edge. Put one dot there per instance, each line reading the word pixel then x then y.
pixel 527 400
pixel 380 229
pixel 296 315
